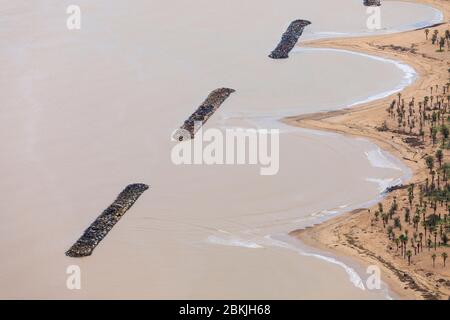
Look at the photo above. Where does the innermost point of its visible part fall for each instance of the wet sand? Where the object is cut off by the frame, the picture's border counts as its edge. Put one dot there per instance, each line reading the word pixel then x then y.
pixel 86 113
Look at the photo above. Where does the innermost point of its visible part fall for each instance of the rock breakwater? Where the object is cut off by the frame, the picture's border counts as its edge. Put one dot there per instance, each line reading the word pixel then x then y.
pixel 289 39
pixel 98 230
pixel 202 114
pixel 372 3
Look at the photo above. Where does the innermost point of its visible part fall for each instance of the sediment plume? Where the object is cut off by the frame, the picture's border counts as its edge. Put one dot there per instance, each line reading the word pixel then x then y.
pixel 289 39
pixel 98 230
pixel 372 3
pixel 202 114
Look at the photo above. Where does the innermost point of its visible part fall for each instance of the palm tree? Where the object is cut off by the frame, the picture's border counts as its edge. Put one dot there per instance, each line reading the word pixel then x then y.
pixel 380 207
pixel 445 132
pixel 433 256
pixel 397 223
pixel 433 174
pixel 407 215
pixel 445 171
pixel 441 43
pixel 402 241
pixel 384 218
pixel 421 240
pixel 409 255
pixel 430 162
pixel 433 135
pixel 444 238
pixel 410 194
pixel 424 217
pixel 444 256
pixel 439 157
pixel 435 242
pixel 416 221
pixel 390 232
pixel 405 241
pixel 433 39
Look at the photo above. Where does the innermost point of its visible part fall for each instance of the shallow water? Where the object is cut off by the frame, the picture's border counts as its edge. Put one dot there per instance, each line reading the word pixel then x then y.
pixel 84 113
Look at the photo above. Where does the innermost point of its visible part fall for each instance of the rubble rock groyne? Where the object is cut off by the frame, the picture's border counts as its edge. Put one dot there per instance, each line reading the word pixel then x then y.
pixel 98 230
pixel 289 39
pixel 202 114
pixel 372 3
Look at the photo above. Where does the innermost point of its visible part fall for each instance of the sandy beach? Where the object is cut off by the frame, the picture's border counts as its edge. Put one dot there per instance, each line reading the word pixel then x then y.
pixel 353 234
pixel 85 113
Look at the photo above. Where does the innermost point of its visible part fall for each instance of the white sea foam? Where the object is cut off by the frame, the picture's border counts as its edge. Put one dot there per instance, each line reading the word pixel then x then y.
pixel 379 159
pixel 354 277
pixel 409 76
pixel 329 212
pixel 383 184
pixel 234 242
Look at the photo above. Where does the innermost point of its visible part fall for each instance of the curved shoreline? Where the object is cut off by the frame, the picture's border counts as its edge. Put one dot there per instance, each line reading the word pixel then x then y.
pixel 410 75
pixel 353 268
pixel 361 121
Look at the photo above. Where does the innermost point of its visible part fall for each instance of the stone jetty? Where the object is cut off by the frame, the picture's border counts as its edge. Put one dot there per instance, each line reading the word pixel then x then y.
pixel 98 230
pixel 289 39
pixel 372 3
pixel 202 114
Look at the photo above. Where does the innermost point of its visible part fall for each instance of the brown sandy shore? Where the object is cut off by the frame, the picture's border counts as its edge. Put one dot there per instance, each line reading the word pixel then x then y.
pixel 352 234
